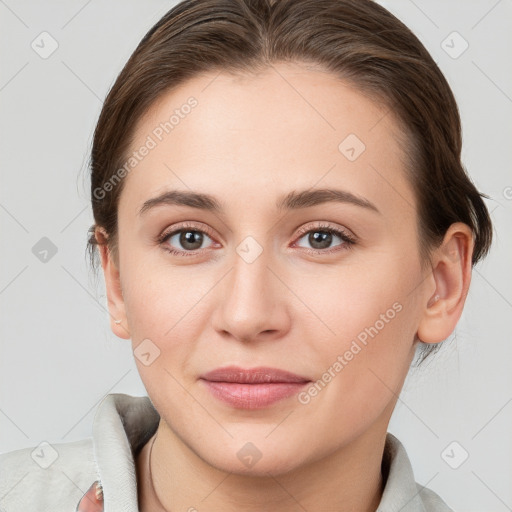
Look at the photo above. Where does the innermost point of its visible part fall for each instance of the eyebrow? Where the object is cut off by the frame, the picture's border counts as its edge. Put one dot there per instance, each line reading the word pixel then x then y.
pixel 294 200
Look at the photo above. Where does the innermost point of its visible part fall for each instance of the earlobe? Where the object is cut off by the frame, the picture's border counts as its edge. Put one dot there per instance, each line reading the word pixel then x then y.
pixel 451 275
pixel 116 306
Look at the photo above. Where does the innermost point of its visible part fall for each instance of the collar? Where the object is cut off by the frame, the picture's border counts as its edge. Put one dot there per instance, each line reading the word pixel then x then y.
pixel 124 423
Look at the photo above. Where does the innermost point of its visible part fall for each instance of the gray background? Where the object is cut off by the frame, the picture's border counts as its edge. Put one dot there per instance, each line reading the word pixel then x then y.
pixel 58 357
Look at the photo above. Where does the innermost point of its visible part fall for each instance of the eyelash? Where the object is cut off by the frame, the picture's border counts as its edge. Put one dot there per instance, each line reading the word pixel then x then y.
pixel 347 239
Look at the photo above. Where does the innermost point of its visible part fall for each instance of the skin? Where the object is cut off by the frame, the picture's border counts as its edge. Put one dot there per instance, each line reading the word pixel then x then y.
pixel 250 140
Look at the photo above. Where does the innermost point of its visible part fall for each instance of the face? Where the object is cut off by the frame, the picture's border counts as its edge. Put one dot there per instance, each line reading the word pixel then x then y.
pixel 325 285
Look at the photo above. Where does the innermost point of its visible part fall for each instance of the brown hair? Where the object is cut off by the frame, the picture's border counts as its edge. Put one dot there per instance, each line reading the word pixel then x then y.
pixel 357 40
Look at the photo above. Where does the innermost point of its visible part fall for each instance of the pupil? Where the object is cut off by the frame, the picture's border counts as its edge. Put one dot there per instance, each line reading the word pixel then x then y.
pixel 191 237
pixel 323 238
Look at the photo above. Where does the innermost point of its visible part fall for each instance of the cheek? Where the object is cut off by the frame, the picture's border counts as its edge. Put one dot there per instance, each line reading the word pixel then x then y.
pixel 367 319
pixel 355 301
pixel 158 297
pixel 165 305
pixel 359 373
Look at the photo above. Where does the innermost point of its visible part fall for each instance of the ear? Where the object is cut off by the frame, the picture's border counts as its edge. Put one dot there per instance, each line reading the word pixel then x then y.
pixel 116 306
pixel 451 276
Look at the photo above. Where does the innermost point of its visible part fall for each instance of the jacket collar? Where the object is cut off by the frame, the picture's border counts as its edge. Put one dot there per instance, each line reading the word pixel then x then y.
pixel 124 423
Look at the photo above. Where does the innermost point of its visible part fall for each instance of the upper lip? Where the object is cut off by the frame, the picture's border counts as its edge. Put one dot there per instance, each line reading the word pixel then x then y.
pixel 258 375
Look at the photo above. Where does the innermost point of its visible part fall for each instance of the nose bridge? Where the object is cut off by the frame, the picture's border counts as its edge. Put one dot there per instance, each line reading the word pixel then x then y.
pixel 250 276
pixel 249 300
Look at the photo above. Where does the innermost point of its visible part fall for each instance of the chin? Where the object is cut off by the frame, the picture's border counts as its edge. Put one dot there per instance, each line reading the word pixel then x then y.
pixel 246 459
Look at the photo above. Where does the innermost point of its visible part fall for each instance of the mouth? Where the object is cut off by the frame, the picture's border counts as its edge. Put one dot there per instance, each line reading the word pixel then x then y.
pixel 252 388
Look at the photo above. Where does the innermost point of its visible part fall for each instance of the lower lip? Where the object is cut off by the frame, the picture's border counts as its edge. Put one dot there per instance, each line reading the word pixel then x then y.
pixel 253 396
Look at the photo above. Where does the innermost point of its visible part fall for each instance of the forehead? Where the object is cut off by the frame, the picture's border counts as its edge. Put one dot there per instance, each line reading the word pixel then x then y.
pixel 288 126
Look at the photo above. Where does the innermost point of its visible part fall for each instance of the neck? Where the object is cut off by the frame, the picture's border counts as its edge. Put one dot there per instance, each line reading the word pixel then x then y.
pixel 347 480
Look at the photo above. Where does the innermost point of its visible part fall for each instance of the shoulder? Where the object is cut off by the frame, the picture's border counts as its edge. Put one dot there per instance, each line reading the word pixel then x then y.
pixel 50 475
pixel 432 501
pixel 401 491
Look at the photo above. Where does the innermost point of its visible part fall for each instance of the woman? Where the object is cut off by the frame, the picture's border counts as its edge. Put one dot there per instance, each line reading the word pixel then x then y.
pixel 283 220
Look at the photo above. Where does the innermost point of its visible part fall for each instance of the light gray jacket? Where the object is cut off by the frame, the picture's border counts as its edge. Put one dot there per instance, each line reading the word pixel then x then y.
pixel 55 477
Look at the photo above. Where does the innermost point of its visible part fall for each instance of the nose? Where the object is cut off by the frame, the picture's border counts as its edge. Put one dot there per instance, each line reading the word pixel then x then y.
pixel 252 301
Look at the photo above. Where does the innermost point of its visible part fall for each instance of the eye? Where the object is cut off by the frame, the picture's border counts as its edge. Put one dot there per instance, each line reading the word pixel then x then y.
pixel 187 236
pixel 191 239
pixel 321 237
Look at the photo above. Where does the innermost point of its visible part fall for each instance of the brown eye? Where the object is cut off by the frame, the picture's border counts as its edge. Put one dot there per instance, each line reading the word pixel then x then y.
pixel 190 240
pixel 321 238
pixel 184 240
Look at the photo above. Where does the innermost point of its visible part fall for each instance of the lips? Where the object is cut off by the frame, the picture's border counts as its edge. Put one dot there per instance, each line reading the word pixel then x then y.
pixel 259 375
pixel 253 388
